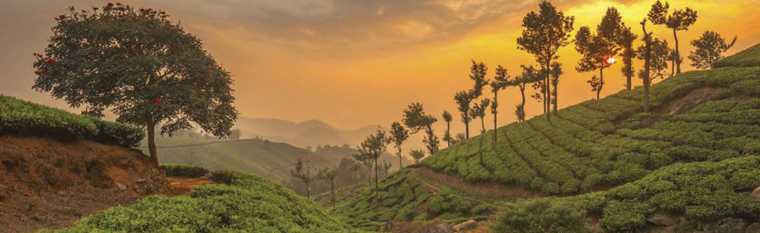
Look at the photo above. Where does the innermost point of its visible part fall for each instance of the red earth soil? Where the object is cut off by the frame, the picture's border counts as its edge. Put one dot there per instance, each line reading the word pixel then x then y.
pixel 49 184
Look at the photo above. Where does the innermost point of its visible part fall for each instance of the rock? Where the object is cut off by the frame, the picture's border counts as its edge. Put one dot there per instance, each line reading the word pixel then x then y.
pixel 468 225
pixel 756 193
pixel 753 228
pixel 662 220
pixel 438 228
pixel 731 225
pixel 121 186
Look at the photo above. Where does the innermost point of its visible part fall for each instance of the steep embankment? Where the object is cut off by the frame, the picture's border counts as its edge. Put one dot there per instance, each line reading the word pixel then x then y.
pixel 56 167
pixel 699 116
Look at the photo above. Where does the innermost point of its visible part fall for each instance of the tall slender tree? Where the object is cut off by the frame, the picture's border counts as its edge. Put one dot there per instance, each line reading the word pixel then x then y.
pixel 596 50
pixel 625 41
pixel 655 53
pixel 544 32
pixel 399 134
pixel 330 176
pixel 464 100
pixel 708 49
pixel 447 117
pixel 479 111
pixel 500 82
pixel 416 119
pixel 679 20
pixel 372 148
pixel 528 76
pixel 303 172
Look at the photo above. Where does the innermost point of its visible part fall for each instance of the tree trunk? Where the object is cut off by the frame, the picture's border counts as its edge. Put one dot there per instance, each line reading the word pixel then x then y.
pixel 377 170
pixel 522 103
pixel 308 190
pixel 152 142
pixel 495 113
pixel 482 126
pixel 677 55
pixel 647 60
pixel 466 127
pixel 448 132
pixel 548 99
pixel 601 83
pixel 555 97
pixel 400 162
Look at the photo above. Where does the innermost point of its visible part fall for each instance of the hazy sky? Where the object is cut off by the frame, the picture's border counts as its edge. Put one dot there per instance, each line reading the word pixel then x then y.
pixel 358 62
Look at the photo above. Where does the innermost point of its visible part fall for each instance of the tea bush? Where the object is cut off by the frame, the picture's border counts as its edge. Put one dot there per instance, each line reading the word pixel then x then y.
pixel 180 170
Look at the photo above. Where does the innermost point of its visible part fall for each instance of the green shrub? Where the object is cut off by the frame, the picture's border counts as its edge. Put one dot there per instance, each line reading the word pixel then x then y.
pixel 624 217
pixel 26 118
pixel 540 217
pixel 179 170
pixel 224 177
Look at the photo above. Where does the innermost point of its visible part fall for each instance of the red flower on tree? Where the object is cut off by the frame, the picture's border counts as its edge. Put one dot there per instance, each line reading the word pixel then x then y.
pixel 50 61
pixel 157 101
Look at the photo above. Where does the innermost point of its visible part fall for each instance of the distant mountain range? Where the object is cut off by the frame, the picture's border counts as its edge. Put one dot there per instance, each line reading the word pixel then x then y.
pixel 310 133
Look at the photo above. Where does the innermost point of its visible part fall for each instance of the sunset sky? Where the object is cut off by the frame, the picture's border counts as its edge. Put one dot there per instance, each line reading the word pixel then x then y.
pixel 352 63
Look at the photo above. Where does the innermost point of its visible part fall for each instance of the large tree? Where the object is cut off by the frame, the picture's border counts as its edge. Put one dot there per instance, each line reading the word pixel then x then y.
pixel 544 32
pixel 447 117
pixel 500 82
pixel 139 65
pixel 596 50
pixel 416 119
pixel 330 176
pixel 679 20
pixel 708 49
pixel 399 134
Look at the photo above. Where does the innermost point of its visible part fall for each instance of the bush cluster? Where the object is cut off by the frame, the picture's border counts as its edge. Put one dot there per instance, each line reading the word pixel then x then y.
pixel 25 118
pixel 250 204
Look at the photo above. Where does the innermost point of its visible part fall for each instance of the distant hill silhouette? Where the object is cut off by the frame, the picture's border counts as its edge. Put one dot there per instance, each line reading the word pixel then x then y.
pixel 309 133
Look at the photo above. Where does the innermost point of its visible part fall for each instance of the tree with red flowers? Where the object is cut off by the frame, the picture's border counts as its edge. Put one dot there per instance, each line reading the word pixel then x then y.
pixel 139 65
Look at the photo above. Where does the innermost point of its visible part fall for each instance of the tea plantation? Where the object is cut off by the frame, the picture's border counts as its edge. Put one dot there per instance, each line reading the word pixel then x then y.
pixel 20 117
pixel 604 166
pixel 242 204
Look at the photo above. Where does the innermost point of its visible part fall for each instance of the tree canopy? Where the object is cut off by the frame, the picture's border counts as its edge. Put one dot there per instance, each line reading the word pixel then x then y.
pixel 708 49
pixel 139 65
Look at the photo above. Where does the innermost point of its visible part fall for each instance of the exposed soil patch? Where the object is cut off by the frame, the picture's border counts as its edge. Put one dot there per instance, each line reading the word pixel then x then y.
pixel 692 99
pixel 48 183
pixel 485 190
pixel 180 186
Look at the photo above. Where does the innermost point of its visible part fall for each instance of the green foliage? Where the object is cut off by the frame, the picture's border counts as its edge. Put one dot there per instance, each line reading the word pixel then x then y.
pixel 26 118
pixel 248 204
pixel 540 217
pixel 708 49
pixel 748 58
pixel 178 170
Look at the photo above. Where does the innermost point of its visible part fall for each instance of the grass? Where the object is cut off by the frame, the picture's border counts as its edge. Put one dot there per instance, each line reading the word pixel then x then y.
pixel 245 204
pixel 25 118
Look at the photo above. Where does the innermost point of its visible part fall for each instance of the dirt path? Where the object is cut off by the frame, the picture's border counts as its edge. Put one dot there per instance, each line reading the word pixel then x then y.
pixel 180 186
pixel 482 192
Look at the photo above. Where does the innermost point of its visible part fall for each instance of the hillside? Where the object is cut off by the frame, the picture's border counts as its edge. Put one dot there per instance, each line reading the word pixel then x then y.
pixel 242 204
pixel 703 122
pixel 56 166
pixel 310 133
pixel 264 158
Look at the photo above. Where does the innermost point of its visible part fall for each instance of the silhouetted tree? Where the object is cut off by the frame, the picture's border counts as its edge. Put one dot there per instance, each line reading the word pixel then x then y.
pixel 655 53
pixel 479 111
pixel 303 172
pixel 500 82
pixel 139 65
pixel 529 75
pixel 417 155
pixel 372 148
pixel 708 49
pixel 478 75
pixel 399 134
pixel 330 176
pixel 447 117
pixel 365 160
pixel 625 41
pixel 463 100
pixel 544 32
pixel 416 119
pixel 595 50
pixel 679 20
